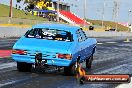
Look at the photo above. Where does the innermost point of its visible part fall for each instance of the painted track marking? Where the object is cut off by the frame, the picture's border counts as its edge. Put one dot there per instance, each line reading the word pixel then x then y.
pixel 111 42
pixel 5 53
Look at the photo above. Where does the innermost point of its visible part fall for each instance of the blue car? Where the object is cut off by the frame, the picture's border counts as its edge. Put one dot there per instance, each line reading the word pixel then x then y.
pixel 57 45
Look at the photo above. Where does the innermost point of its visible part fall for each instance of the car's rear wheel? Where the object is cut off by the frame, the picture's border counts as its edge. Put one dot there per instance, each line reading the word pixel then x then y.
pixel 71 70
pixel 89 62
pixel 24 67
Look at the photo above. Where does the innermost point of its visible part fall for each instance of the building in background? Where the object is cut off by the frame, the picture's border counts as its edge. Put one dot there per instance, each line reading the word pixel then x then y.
pixel 49 10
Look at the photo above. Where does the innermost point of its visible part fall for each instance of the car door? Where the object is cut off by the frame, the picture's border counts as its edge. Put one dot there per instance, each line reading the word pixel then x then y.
pixel 82 44
pixel 87 43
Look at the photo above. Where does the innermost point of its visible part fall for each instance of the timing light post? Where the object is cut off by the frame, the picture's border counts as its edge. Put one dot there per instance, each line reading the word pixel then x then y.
pixel 58 4
pixel 103 13
pixel 85 4
pixel 129 24
pixel 10 13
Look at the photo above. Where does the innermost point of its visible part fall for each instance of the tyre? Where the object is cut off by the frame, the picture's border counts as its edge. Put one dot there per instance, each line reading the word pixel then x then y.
pixel 89 62
pixel 71 70
pixel 82 80
pixel 24 67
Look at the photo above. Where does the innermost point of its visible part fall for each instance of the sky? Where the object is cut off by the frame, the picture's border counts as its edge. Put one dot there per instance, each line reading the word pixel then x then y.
pixel 94 9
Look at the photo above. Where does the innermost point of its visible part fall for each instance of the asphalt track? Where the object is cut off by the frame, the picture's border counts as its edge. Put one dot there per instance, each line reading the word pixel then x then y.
pixel 113 56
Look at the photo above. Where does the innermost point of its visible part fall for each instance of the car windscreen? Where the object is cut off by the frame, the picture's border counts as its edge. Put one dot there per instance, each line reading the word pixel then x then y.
pixel 49 34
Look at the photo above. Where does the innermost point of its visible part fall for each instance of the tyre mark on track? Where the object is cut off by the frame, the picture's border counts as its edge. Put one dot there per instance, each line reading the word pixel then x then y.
pixel 109 57
pixel 112 62
pixel 7 65
pixel 7 83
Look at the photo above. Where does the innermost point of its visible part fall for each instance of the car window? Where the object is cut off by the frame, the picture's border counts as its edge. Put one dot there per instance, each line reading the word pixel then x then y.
pixel 49 34
pixel 84 37
pixel 81 35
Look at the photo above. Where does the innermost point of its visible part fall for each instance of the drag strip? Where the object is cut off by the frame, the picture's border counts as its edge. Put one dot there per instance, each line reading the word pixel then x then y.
pixel 7 43
pixel 110 58
pixel 7 65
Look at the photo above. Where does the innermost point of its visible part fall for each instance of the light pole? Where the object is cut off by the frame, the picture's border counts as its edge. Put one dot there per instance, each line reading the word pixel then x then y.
pixel 85 4
pixel 58 4
pixel 129 11
pixel 129 24
pixel 116 12
pixel 10 13
pixel 103 13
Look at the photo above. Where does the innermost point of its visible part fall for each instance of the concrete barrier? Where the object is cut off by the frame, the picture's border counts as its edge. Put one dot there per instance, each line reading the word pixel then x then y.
pixel 108 34
pixel 12 31
pixel 18 32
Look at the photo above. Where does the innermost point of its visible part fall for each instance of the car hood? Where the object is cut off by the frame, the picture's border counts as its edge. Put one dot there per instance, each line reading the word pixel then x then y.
pixel 43 45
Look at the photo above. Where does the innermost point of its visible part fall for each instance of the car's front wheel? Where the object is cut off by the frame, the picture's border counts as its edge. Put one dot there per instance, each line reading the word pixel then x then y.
pixel 24 67
pixel 89 62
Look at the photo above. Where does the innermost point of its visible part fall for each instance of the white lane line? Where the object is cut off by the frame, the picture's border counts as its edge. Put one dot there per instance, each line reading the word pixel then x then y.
pixel 7 65
pixel 106 43
pixel 111 42
pixel 111 69
pixel 5 57
pixel 128 85
pixel 8 83
pixel 12 39
pixel 5 45
pixel 12 82
pixel 99 43
pixel 127 41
